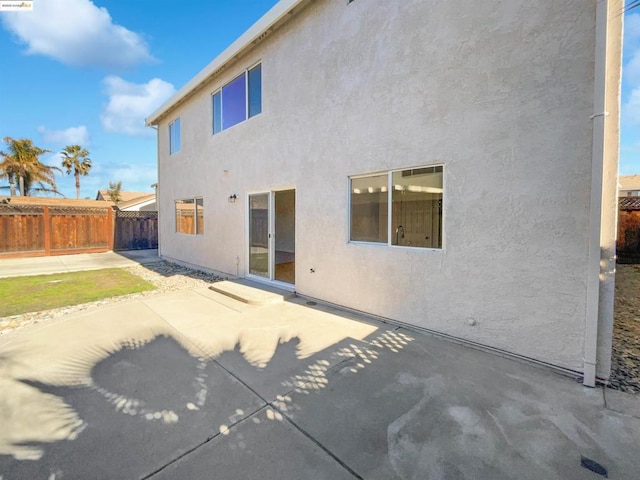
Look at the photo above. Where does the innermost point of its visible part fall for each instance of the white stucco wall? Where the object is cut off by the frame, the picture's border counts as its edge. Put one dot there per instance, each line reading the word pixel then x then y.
pixel 500 93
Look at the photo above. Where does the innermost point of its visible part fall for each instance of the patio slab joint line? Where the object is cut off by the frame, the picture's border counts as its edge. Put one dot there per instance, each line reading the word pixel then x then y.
pixel 284 415
pixel 191 450
pixel 320 445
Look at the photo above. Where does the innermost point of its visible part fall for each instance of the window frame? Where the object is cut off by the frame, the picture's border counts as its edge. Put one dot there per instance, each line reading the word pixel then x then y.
pixel 218 91
pixel 388 243
pixel 172 135
pixel 196 224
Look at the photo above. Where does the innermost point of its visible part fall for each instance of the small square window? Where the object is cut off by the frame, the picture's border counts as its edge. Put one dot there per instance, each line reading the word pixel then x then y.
pixel 190 216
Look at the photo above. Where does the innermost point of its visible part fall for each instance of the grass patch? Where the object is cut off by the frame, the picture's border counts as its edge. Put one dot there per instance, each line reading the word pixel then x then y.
pixel 42 292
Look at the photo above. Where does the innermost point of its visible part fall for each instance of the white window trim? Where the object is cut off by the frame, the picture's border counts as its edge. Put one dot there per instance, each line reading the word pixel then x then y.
pixel 388 243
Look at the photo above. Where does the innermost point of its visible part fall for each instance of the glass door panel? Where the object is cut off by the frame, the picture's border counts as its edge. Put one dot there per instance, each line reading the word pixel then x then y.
pixel 259 235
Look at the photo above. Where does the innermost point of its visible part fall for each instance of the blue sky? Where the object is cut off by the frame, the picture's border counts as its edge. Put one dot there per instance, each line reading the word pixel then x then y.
pixel 88 72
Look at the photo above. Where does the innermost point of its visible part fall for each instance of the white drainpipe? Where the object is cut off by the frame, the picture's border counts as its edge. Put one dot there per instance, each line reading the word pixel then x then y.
pixel 597 164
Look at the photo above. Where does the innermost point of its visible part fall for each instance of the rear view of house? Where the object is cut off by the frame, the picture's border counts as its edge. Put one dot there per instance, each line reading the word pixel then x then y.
pixel 448 165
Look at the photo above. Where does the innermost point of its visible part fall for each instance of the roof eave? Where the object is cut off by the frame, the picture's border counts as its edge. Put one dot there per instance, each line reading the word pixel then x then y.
pixel 279 13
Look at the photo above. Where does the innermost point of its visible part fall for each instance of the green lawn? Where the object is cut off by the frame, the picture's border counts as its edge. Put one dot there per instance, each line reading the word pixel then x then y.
pixel 35 293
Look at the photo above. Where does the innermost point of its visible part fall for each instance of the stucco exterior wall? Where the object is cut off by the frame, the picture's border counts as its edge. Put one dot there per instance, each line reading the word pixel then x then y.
pixel 499 93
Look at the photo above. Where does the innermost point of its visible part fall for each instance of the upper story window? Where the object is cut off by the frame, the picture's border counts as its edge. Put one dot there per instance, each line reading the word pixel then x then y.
pixel 174 136
pixel 402 207
pixel 238 100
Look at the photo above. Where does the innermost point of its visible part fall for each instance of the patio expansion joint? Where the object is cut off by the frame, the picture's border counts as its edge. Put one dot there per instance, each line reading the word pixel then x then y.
pixel 273 405
pixel 201 444
pixel 322 447
pixel 338 460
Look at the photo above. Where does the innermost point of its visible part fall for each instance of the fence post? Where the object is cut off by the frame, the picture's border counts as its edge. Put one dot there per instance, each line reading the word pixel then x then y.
pixel 112 228
pixel 47 230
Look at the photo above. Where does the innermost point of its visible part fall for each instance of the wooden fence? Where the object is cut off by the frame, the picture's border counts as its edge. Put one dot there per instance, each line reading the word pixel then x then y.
pixel 30 229
pixel 136 230
pixel 628 249
pixel 36 230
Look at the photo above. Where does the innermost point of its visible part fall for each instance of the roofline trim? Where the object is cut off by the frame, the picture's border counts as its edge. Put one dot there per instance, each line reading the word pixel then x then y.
pixel 278 12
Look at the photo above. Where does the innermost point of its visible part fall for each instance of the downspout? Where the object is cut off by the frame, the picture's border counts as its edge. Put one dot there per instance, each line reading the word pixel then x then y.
pixel 595 201
pixel 156 189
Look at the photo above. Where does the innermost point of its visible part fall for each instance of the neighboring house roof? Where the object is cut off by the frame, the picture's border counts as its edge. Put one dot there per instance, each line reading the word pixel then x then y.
pixel 629 182
pixel 279 14
pixel 147 197
pixel 54 202
pixel 629 203
pixel 124 196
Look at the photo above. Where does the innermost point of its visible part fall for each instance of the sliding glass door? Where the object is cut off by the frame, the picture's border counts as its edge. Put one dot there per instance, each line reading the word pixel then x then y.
pixel 272 235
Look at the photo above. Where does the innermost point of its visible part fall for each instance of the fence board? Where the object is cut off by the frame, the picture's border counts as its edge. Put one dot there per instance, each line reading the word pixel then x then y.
pixel 31 230
pixel 21 233
pixel 136 230
pixel 44 230
pixel 628 236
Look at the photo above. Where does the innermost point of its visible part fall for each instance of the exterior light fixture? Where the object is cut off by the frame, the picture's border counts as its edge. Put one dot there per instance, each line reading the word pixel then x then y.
pixel 233 198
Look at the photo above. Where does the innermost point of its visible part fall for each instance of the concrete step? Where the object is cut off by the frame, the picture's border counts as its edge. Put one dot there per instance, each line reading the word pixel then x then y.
pixel 252 293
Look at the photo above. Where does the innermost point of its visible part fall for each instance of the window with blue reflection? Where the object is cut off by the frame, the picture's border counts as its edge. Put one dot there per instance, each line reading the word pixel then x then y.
pixel 255 90
pixel 217 113
pixel 234 102
pixel 238 100
pixel 174 136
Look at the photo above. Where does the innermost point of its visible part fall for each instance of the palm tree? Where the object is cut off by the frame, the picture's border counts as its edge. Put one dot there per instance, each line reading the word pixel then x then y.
pixel 76 159
pixel 21 161
pixel 8 168
pixel 114 191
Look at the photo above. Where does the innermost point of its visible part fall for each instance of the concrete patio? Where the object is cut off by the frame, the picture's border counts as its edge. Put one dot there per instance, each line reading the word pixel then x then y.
pixel 15 267
pixel 197 385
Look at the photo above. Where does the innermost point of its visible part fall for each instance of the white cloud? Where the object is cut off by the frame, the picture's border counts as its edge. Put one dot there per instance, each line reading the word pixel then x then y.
pixel 134 177
pixel 632 69
pixel 76 32
pixel 631 108
pixel 632 27
pixel 129 104
pixel 71 136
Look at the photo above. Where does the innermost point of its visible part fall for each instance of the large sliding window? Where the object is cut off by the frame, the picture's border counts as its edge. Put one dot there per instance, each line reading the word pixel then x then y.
pixel 190 216
pixel 238 100
pixel 402 207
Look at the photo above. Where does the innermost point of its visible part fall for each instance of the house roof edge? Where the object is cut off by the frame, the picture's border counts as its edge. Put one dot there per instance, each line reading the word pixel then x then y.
pixel 278 13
